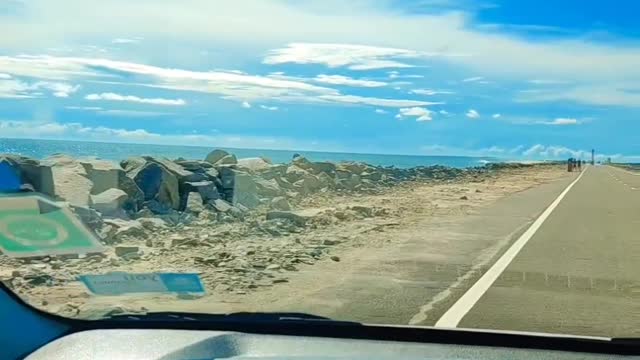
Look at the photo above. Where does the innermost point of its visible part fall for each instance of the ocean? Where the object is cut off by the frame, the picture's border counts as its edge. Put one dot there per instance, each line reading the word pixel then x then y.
pixel 119 151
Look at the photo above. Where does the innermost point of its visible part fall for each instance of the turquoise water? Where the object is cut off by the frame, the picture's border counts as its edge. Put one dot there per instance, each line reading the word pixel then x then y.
pixel 118 151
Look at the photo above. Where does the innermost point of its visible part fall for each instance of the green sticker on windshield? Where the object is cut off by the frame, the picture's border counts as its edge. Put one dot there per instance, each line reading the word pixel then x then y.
pixel 34 226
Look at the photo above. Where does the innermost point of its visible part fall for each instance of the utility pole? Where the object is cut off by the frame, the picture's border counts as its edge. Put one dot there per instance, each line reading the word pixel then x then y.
pixel 593 158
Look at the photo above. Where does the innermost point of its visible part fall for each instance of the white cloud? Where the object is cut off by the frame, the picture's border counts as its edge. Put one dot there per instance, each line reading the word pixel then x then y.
pixel 430 92
pixel 473 79
pixel 444 112
pixel 554 152
pixel 420 113
pixel 131 113
pixel 125 41
pixel 84 108
pixel 231 85
pixel 623 94
pixel 14 88
pixel 547 82
pixel 380 111
pixel 355 57
pixel 345 80
pixel 472 114
pixel 246 105
pixel 354 99
pixel 564 121
pixel 136 99
pixel 5 76
pixel 62 90
pixel 496 116
pixel 371 22
pixel 270 108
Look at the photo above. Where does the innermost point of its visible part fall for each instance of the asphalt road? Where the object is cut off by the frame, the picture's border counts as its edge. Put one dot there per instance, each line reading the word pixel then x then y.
pixel 580 271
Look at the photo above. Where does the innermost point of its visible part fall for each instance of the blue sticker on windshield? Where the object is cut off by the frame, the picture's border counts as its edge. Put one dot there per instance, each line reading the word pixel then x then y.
pixel 119 283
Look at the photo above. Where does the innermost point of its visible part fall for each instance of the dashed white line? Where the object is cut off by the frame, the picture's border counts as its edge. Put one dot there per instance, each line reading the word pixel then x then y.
pixel 455 313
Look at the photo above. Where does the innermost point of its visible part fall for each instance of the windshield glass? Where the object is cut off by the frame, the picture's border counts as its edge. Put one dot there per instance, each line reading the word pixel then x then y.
pixel 423 163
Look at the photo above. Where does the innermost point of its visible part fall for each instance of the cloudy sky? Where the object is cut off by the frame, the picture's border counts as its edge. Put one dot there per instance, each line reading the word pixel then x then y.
pixel 508 78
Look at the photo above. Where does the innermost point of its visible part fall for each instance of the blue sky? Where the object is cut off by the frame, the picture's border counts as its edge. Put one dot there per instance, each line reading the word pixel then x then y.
pixel 510 78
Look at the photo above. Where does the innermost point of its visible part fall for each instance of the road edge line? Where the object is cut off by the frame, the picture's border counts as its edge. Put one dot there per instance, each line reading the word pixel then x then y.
pixel 452 317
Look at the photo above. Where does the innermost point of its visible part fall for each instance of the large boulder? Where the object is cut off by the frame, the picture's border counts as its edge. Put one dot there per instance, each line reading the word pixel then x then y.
pixel 206 189
pixel 239 187
pixel 155 181
pixel 352 167
pixel 255 164
pixel 194 165
pixel 110 202
pixel 131 228
pixel 302 162
pixel 268 188
pixel 31 172
pixel 295 173
pixel 195 203
pixel 227 160
pixel 308 184
pixel 70 180
pixel 107 175
pixel 280 203
pixel 214 156
pixel 177 170
pixel 323 167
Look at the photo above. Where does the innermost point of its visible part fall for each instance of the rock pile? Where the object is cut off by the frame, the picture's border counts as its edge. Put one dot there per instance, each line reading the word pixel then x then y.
pixel 176 191
pixel 234 219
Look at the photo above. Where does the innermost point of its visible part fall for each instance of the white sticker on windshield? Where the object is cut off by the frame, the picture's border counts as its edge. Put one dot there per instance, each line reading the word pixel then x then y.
pixel 119 283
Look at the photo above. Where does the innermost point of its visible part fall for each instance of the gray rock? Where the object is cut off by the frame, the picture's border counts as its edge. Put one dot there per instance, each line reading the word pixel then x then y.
pixel 239 187
pixel 335 258
pixel 206 189
pixel 273 267
pixel 280 203
pixel 254 164
pixel 126 251
pixel 215 156
pixel 298 218
pixel 308 184
pixel 352 167
pixel 268 188
pixel 195 165
pixel 323 167
pixel 373 176
pixel 295 173
pixel 90 217
pixel 302 162
pixel 152 223
pixel 155 181
pixel 107 175
pixel 227 160
pixel 221 205
pixel 194 203
pixel 177 170
pixel 109 202
pixel 212 174
pixel 70 180
pixel 131 228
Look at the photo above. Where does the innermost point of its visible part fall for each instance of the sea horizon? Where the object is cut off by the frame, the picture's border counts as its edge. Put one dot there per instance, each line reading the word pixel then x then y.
pixel 116 151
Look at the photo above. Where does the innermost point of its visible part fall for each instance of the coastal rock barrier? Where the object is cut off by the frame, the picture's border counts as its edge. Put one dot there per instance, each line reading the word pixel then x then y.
pixel 243 224
pixel 177 190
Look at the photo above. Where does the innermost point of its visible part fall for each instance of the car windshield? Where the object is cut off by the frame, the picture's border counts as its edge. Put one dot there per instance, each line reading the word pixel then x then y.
pixel 457 164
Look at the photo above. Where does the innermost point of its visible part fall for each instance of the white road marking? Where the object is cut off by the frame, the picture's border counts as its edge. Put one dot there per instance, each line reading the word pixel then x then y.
pixel 627 171
pixel 454 315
